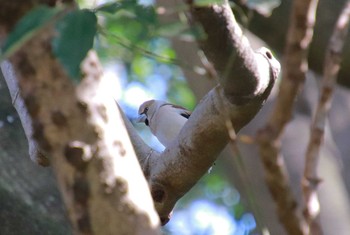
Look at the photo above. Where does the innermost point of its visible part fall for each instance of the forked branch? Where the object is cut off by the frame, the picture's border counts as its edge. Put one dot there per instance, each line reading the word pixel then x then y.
pixel 311 179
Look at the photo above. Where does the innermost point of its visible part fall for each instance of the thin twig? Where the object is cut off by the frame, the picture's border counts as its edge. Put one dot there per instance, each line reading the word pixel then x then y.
pixel 294 68
pixel 129 45
pixel 36 154
pixel 331 68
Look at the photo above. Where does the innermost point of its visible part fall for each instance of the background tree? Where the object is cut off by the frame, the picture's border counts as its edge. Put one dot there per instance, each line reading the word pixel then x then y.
pixel 131 32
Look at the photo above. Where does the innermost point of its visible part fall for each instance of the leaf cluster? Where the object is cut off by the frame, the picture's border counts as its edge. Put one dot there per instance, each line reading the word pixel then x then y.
pixel 121 31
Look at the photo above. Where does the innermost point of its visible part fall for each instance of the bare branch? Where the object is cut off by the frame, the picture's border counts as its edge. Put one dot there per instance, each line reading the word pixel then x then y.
pixel 186 51
pixel 294 68
pixel 229 51
pixel 182 163
pixel 60 128
pixel 295 62
pixel 246 78
pixel 331 68
pixel 36 154
pixel 225 47
pixel 83 133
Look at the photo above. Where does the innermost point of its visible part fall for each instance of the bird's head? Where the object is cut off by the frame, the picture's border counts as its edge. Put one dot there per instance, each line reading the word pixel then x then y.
pixel 165 120
pixel 147 110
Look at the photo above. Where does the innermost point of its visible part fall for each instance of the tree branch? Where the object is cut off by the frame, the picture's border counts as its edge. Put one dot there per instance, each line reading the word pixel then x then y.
pixel 331 68
pixel 182 164
pixel 36 154
pixel 293 73
pixel 196 75
pixel 82 131
pixel 59 127
pixel 229 52
pixel 245 78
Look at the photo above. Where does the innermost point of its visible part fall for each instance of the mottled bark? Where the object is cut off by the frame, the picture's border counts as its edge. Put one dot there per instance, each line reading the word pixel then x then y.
pixel 61 131
pixel 81 129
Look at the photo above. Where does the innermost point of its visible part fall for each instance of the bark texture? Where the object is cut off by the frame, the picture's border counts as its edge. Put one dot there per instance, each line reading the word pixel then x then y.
pixel 273 30
pixel 81 130
pixel 295 66
pixel 311 179
pixel 35 153
pixel 87 148
pixel 172 173
pixel 30 200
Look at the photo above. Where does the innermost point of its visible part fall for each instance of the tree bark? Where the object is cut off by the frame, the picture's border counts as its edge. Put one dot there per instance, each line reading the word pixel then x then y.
pixel 81 130
pixel 179 167
pixel 28 193
pixel 61 129
pixel 273 31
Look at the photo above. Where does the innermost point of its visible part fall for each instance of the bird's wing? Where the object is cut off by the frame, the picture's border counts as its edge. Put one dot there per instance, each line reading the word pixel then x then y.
pixel 182 111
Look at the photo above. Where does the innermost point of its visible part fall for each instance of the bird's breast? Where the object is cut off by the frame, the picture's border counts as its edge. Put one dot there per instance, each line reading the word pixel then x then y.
pixel 167 127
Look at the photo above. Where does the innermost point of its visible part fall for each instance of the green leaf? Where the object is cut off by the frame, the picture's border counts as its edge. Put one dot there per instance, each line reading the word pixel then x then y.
pixel 75 37
pixel 27 27
pixel 204 3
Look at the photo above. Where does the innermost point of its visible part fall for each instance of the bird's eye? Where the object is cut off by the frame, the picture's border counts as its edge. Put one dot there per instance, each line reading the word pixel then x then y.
pixel 269 55
pixel 146 109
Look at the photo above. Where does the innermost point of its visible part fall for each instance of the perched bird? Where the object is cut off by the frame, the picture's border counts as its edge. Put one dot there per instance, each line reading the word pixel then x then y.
pixel 164 119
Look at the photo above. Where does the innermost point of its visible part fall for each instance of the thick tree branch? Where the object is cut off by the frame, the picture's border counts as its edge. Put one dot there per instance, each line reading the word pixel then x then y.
pixel 83 133
pixel 10 12
pixel 331 68
pixel 187 52
pixel 225 47
pixel 182 164
pixel 86 159
pixel 294 68
pixel 229 52
pixel 245 78
pixel 178 168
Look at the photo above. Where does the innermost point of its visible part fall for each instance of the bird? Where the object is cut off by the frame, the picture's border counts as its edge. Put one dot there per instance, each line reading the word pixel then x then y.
pixel 164 119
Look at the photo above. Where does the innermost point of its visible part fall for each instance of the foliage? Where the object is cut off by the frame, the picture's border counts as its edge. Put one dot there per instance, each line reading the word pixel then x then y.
pixel 207 2
pixel 33 21
pixel 131 34
pixel 75 36
pixel 75 32
pixel 126 31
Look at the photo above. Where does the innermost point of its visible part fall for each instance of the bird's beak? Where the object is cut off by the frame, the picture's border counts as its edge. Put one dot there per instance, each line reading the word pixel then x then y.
pixel 141 118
